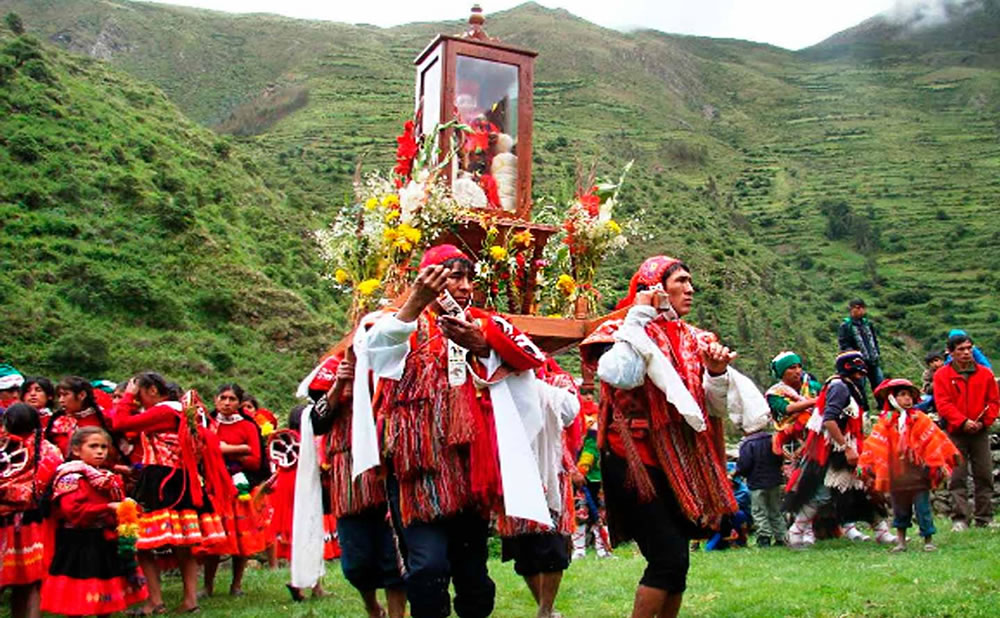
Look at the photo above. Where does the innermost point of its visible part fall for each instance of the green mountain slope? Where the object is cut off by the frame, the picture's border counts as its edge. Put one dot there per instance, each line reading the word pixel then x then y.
pixel 745 153
pixel 133 238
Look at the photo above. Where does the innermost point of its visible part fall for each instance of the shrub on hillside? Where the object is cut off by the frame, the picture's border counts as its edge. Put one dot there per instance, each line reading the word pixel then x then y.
pixel 909 297
pixel 80 353
pixel 843 223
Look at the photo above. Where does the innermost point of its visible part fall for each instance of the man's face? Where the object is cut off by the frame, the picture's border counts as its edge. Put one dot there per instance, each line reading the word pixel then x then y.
pixel 963 353
pixel 680 291
pixel 459 284
pixel 858 311
pixel 793 376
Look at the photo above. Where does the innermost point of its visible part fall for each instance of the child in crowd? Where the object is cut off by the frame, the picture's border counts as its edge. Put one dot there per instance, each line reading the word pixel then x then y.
pixel 77 408
pixel 89 574
pixel 761 468
pixel 26 537
pixel 589 497
pixel 907 455
pixel 40 394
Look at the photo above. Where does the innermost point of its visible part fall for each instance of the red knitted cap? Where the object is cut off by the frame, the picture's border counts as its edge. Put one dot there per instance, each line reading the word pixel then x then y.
pixel 441 254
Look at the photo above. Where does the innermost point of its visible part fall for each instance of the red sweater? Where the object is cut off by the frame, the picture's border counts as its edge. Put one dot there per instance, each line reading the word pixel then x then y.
pixel 959 399
pixel 239 433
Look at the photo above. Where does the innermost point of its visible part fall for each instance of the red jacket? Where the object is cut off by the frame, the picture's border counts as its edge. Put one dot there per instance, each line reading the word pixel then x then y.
pixel 959 399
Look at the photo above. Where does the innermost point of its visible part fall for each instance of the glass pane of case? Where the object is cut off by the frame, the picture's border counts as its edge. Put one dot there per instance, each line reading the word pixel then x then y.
pixel 430 92
pixel 486 95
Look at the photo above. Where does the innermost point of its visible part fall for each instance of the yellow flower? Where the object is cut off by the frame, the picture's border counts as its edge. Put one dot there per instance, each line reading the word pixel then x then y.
pixel 341 276
pixel 403 245
pixel 522 239
pixel 411 234
pixel 389 234
pixel 266 429
pixel 391 215
pixel 498 253
pixel 368 286
pixel 554 315
pixel 371 203
pixel 613 226
pixel 566 285
pixel 390 200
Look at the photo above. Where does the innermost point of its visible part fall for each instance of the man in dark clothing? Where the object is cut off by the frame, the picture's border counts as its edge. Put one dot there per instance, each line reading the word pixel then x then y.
pixel 762 470
pixel 967 399
pixel 857 332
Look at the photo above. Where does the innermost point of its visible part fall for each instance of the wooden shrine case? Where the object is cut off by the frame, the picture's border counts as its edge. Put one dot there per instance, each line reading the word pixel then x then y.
pixel 486 85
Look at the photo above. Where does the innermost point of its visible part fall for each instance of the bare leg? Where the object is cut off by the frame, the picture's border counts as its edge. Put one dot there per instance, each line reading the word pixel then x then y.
pixel 547 594
pixel 151 571
pixel 671 606
pixel 396 599
pixel 239 567
pixel 211 568
pixel 189 576
pixel 25 601
pixel 371 603
pixel 535 586
pixel 272 556
pixel 656 603
pixel 318 590
pixel 648 602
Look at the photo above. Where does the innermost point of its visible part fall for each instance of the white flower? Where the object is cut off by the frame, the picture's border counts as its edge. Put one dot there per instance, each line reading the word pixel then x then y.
pixel 411 198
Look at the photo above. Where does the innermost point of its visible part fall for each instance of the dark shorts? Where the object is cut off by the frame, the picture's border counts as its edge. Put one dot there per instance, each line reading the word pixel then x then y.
pixel 658 527
pixel 368 550
pixel 546 552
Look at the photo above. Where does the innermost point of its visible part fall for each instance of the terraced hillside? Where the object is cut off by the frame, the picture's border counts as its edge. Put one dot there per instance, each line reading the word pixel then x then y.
pixel 131 238
pixel 745 152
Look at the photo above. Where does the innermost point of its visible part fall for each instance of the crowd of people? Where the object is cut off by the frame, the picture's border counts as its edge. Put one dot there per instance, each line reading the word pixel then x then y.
pixel 440 423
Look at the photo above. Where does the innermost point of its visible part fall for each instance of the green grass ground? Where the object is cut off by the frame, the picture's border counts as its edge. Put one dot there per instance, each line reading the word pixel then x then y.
pixel 833 579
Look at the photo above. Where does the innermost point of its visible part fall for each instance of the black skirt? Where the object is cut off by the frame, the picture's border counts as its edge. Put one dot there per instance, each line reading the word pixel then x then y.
pixel 163 487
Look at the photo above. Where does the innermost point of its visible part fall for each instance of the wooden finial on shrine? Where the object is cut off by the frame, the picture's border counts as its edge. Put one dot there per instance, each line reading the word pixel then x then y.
pixel 476 22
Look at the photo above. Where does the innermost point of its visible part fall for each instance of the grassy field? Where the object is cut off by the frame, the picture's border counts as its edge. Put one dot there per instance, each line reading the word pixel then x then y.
pixel 833 579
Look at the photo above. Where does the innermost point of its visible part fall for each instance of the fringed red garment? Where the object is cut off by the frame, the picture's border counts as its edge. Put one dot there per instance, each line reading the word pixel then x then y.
pixel 893 457
pixel 440 438
pixel 348 496
pixel 647 430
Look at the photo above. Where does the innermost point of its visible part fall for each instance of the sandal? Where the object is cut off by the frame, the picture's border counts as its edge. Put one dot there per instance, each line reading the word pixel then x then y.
pixel 297 595
pixel 140 611
pixel 191 610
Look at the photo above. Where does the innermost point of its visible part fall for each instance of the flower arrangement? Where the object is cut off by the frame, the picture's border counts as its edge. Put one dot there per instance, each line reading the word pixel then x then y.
pixel 591 236
pixel 127 514
pixel 503 268
pixel 370 247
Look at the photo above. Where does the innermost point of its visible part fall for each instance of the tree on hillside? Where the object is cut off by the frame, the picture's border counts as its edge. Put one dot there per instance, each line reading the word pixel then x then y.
pixel 13 21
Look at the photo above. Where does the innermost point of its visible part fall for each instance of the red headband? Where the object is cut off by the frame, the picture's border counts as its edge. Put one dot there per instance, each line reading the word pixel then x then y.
pixel 650 273
pixel 441 254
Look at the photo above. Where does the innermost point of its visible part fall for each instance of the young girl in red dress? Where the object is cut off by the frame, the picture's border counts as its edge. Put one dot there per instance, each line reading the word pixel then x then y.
pixel 178 508
pixel 40 394
pixel 77 408
pixel 241 445
pixel 26 538
pixel 88 574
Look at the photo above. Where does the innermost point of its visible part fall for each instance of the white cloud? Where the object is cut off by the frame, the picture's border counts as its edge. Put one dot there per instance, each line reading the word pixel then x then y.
pixel 787 23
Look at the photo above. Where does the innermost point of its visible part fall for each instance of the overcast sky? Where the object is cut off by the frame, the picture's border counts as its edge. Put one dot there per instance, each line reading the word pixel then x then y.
pixel 791 24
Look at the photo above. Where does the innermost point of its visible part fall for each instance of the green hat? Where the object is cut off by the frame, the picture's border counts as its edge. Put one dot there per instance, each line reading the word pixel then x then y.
pixel 783 361
pixel 10 377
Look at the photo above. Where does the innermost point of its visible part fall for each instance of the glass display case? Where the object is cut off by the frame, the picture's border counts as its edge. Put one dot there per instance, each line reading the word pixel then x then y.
pixel 487 87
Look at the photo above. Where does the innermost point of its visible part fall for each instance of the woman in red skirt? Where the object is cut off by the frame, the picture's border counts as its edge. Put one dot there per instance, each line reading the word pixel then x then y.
pixel 26 538
pixel 88 574
pixel 178 511
pixel 246 533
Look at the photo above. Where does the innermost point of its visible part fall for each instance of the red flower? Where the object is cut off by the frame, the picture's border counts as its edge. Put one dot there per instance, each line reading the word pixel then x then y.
pixel 477 141
pixel 591 202
pixel 406 150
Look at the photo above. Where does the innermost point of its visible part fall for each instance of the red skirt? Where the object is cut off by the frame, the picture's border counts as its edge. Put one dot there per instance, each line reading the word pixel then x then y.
pixel 26 541
pixel 87 577
pixel 170 517
pixel 245 532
